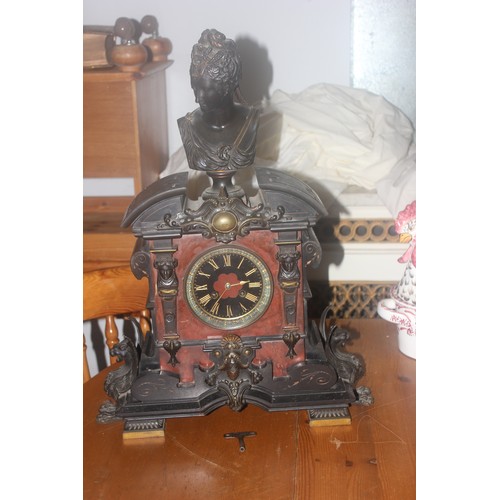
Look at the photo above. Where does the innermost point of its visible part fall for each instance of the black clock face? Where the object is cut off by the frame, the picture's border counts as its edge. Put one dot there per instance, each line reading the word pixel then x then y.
pixel 228 287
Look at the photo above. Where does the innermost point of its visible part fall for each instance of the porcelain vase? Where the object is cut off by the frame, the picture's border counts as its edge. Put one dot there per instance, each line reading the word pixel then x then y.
pixel 401 307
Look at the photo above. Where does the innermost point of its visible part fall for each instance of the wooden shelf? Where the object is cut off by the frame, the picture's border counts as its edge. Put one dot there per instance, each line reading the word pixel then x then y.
pixel 114 74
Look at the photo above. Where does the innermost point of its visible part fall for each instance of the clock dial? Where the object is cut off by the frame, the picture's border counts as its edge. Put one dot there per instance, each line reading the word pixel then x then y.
pixel 228 287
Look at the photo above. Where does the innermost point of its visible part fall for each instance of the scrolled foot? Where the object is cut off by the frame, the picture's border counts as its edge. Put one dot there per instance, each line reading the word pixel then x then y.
pixel 107 413
pixel 363 396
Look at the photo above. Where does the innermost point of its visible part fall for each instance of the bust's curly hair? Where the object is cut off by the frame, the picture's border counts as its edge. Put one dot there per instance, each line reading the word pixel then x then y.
pixel 216 56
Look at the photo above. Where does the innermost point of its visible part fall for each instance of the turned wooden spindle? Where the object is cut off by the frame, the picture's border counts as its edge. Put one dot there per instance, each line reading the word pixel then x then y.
pixel 86 369
pixel 130 55
pixel 145 321
pixel 158 47
pixel 111 334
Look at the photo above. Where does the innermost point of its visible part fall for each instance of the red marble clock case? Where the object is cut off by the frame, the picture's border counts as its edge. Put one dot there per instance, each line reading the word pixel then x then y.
pixel 269 328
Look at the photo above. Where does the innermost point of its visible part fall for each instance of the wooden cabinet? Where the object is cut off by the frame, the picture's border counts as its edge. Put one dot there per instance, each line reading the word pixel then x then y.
pixel 124 136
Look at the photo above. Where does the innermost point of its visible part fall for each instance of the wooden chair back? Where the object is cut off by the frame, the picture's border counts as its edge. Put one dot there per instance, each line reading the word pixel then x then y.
pixel 108 293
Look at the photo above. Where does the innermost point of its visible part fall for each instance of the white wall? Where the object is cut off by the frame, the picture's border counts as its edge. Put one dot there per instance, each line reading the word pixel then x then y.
pixel 383 50
pixel 305 41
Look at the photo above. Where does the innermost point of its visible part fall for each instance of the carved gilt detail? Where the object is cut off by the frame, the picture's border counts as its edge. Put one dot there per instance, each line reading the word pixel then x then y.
pixel 232 356
pixel 222 218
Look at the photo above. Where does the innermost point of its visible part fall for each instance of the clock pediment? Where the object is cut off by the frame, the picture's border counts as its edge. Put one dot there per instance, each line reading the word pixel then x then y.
pixel 163 209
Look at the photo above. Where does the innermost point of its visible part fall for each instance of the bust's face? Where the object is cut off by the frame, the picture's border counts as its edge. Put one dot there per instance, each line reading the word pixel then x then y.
pixel 209 93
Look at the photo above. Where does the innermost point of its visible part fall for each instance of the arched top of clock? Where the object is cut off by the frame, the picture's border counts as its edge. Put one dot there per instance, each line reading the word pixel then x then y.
pixel 282 199
pixel 166 190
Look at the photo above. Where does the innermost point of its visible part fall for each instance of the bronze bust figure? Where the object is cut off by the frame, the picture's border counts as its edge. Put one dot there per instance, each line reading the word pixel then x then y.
pixel 219 137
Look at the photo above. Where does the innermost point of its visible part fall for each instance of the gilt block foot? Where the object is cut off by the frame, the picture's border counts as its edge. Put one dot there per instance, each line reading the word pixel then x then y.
pixel 144 429
pixel 327 417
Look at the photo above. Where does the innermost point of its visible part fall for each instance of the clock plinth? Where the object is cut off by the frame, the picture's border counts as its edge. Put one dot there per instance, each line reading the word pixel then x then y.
pixel 227 277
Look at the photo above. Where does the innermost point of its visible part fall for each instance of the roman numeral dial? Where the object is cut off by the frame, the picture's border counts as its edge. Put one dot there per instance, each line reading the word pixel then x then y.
pixel 228 287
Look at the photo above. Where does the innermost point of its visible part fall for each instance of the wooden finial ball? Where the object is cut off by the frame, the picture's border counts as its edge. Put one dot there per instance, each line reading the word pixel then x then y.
pixel 125 29
pixel 149 25
pixel 158 47
pixel 129 58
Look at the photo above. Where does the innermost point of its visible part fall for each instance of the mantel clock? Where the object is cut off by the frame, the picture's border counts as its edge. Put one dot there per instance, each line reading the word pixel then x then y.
pixel 227 271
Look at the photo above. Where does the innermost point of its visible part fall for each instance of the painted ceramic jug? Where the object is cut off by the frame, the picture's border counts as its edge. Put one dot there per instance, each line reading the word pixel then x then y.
pixel 401 307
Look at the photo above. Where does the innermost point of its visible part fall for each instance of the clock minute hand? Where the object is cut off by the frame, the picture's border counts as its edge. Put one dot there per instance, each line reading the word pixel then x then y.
pixel 220 296
pixel 240 283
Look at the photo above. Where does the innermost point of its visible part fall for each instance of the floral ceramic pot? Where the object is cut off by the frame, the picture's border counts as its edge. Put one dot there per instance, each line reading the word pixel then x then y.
pixel 401 307
pixel 404 316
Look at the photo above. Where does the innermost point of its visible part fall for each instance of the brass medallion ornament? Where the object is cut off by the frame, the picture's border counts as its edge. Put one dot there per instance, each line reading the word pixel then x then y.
pixel 224 222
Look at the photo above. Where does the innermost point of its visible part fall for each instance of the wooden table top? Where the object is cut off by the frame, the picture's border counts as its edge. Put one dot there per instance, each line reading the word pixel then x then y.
pixel 373 458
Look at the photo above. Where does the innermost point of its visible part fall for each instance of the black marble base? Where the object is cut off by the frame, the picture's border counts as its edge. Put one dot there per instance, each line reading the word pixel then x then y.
pixel 324 382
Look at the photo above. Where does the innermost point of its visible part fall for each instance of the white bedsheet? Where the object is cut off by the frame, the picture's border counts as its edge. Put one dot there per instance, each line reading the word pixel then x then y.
pixel 334 137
